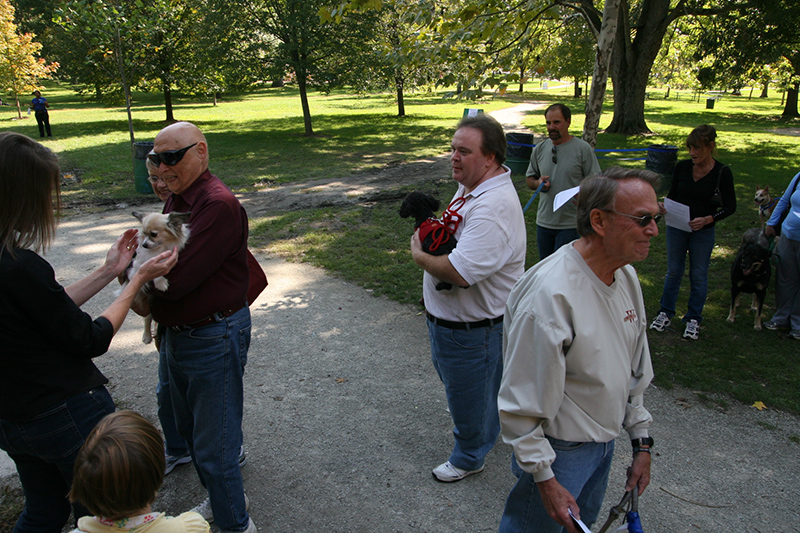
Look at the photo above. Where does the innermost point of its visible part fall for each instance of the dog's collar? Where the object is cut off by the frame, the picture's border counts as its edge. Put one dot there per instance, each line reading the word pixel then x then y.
pixel 771 204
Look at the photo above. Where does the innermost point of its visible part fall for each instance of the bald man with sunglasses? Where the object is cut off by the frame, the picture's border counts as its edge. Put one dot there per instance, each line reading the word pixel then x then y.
pixel 576 360
pixel 207 321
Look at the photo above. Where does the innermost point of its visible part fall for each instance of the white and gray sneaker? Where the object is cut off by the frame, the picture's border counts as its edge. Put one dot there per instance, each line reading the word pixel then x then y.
pixel 204 510
pixel 447 473
pixel 660 322
pixel 692 331
pixel 251 528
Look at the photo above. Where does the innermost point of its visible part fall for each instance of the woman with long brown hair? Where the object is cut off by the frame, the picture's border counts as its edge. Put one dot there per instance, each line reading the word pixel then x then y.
pixel 51 393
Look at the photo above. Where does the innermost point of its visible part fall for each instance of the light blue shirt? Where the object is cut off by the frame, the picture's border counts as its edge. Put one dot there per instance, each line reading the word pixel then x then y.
pixel 790 200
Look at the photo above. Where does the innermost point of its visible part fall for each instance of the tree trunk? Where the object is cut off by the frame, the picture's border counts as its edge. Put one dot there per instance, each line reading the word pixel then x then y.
pixel 19 109
pixel 632 62
pixel 605 43
pixel 401 106
pixel 301 84
pixel 790 110
pixel 168 103
pixel 576 91
pixel 765 90
pixel 521 78
pixel 127 92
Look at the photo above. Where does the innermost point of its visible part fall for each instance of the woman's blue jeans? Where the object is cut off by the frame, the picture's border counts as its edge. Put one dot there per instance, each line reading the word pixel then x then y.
pixel 470 364
pixel 206 367
pixel 580 467
pixel 699 245
pixel 44 449
pixel 787 284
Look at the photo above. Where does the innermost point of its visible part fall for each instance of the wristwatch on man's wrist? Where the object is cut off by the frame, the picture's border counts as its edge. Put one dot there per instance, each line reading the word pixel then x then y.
pixel 642 445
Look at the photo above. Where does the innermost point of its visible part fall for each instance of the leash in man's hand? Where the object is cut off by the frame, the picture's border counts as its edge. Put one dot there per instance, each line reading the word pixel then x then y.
pixel 536 192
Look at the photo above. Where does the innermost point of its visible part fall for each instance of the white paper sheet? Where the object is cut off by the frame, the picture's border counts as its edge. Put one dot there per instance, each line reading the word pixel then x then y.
pixel 564 197
pixel 579 523
pixel 677 215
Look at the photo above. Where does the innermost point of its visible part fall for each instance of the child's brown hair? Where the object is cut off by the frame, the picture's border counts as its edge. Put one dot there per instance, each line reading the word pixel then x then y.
pixel 120 466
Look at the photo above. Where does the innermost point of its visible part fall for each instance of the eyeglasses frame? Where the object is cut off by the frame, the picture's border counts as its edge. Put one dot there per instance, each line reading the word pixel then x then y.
pixel 643 221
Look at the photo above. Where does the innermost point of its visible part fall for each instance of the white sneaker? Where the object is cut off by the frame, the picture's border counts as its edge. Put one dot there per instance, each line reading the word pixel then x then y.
pixel 204 509
pixel 448 473
pixel 661 322
pixel 692 331
pixel 251 528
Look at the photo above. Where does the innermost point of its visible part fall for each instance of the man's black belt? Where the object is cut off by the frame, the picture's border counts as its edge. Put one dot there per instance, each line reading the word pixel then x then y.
pixel 485 323
pixel 210 319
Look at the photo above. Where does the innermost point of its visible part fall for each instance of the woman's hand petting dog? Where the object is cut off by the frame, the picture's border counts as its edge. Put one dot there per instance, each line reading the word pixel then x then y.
pixel 121 253
pixel 153 268
pixel 157 266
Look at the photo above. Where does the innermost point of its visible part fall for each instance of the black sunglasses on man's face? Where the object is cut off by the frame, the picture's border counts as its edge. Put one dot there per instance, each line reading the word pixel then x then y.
pixel 168 157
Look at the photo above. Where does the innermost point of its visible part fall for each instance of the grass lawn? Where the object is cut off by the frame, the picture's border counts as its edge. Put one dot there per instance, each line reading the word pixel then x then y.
pixel 257 139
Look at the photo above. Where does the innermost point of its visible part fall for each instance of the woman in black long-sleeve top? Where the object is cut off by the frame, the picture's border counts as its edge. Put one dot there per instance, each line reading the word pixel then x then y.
pixel 695 183
pixel 51 393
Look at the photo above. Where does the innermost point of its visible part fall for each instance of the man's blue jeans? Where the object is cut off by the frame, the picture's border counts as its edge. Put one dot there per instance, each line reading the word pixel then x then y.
pixel 174 443
pixel 699 245
pixel 549 240
pixel 470 364
pixel 206 366
pixel 580 467
pixel 44 449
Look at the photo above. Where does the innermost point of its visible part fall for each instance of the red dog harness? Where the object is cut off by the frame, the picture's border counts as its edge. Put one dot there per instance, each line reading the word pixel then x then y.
pixel 441 229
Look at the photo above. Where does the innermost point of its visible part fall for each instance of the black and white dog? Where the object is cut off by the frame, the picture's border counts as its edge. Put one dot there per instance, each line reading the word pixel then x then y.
pixel 750 273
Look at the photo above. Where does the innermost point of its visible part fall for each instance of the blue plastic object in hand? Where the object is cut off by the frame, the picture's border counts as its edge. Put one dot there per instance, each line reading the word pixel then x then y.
pixel 634 522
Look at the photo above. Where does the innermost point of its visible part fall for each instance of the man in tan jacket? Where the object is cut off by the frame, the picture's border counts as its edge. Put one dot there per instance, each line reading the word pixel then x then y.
pixel 576 360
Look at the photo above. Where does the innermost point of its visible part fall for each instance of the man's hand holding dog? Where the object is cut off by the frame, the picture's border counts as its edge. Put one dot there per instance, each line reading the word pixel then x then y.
pixel 438 266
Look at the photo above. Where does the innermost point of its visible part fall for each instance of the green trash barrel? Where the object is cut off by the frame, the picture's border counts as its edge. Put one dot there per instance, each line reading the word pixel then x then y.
pixel 518 151
pixel 661 159
pixel 141 178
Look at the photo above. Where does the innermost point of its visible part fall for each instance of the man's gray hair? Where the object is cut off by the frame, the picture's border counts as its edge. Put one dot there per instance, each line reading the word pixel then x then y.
pixel 600 192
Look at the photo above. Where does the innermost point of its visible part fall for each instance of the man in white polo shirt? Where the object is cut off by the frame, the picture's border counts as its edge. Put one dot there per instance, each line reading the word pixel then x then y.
pixel 465 323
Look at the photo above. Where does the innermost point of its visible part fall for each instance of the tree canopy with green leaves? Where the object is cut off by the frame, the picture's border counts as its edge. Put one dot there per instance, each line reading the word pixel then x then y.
pixel 21 68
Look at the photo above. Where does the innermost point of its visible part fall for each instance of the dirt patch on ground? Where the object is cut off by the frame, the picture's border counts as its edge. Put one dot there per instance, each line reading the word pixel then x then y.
pixel 787 131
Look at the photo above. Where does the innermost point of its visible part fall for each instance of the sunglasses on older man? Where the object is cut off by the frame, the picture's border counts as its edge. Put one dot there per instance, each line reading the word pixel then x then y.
pixel 168 157
pixel 643 221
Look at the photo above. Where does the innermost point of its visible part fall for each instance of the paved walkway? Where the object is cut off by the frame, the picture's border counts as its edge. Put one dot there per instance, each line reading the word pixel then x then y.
pixel 344 419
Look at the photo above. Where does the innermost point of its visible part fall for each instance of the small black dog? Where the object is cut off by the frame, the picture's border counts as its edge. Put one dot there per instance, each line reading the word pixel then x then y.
pixel 434 241
pixel 750 273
